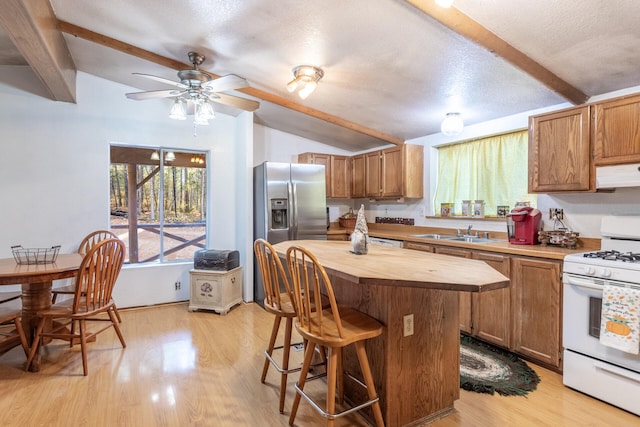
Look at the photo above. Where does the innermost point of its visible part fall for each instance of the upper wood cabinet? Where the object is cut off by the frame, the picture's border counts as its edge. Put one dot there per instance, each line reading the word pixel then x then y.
pixel 616 131
pixel 337 172
pixel 395 172
pixel 560 152
pixel 358 176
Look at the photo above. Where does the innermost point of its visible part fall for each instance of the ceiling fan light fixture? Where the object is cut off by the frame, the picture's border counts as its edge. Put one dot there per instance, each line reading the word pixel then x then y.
pixel 177 111
pixel 306 78
pixel 452 124
pixel 207 111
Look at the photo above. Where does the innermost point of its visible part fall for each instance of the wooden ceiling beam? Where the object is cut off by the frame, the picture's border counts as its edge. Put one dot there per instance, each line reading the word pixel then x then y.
pixel 460 23
pixel 103 40
pixel 31 25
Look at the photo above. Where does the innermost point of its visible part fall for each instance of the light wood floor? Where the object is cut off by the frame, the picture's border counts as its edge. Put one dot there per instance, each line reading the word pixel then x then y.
pixel 203 369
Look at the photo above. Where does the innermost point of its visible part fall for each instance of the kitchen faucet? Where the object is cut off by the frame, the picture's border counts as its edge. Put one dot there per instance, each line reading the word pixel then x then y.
pixel 469 230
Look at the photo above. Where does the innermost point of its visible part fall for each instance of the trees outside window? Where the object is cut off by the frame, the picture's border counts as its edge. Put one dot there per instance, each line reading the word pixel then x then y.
pixel 158 202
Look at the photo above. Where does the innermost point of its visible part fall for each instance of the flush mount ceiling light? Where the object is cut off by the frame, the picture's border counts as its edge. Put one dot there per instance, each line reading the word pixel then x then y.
pixel 306 78
pixel 452 124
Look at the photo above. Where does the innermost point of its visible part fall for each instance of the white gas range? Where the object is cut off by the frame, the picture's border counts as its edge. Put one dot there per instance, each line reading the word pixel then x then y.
pixel 607 373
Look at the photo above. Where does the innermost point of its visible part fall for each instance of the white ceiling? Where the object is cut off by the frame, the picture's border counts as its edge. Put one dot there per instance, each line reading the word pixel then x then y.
pixel 389 67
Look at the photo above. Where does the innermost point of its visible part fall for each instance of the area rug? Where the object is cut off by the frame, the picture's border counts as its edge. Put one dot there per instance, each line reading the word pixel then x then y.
pixel 488 369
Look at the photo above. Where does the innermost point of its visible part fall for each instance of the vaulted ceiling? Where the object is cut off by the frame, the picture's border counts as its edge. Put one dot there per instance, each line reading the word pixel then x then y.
pixel 393 68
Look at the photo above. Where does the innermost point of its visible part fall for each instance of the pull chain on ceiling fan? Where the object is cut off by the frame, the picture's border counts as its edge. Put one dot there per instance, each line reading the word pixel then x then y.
pixel 196 91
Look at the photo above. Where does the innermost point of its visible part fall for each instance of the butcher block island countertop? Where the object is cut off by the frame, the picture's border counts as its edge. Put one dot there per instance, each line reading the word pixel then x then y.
pixel 417 375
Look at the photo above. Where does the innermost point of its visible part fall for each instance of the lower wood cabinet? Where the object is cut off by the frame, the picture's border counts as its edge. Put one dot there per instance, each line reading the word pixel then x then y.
pixel 536 309
pixel 464 298
pixel 491 311
pixel 525 317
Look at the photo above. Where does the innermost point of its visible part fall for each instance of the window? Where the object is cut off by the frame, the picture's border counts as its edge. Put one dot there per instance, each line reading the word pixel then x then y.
pixel 492 169
pixel 158 202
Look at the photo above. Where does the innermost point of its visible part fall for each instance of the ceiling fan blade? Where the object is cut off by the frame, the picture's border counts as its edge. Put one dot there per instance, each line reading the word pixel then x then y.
pixel 162 80
pixel 234 101
pixel 152 94
pixel 228 82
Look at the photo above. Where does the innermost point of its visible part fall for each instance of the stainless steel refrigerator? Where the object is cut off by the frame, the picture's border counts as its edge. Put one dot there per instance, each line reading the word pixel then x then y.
pixel 289 201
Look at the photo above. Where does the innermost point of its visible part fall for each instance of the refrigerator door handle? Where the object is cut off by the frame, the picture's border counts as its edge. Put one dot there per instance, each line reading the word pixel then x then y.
pixel 293 211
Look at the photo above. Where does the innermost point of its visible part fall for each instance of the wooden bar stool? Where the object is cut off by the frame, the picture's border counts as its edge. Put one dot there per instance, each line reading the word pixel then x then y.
pixel 333 329
pixel 280 305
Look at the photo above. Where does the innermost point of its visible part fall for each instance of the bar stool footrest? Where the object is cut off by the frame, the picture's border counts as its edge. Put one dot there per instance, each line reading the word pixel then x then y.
pixel 347 411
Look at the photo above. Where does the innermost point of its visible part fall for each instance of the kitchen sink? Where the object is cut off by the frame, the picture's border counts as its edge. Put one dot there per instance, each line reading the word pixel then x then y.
pixel 472 239
pixel 454 238
pixel 435 236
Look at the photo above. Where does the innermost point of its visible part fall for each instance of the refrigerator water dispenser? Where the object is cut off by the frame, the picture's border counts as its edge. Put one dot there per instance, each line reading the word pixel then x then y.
pixel 279 217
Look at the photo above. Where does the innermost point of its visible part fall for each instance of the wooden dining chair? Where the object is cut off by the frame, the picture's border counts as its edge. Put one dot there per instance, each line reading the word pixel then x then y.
pixel 87 243
pixel 9 296
pixel 98 273
pixel 333 328
pixel 11 326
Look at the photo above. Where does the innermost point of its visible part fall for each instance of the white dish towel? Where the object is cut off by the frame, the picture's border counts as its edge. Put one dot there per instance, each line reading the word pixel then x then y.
pixel 620 324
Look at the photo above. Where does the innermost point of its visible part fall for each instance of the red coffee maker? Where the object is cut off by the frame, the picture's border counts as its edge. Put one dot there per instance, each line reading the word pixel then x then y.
pixel 523 224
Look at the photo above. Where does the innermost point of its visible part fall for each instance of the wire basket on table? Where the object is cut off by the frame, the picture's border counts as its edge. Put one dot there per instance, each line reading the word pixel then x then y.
pixel 35 255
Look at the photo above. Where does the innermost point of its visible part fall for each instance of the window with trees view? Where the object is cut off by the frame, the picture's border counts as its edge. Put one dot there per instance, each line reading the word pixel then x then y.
pixel 158 202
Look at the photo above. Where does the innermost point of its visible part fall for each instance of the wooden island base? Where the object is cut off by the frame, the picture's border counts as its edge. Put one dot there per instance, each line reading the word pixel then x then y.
pixel 417 376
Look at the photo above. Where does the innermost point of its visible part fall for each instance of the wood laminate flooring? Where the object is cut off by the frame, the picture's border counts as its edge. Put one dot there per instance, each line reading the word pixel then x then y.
pixel 203 369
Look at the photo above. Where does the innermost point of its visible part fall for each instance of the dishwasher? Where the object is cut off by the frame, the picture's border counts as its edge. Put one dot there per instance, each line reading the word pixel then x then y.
pixel 385 242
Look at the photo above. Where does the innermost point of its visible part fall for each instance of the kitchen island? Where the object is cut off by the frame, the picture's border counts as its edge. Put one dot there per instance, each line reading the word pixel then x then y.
pixel 415 362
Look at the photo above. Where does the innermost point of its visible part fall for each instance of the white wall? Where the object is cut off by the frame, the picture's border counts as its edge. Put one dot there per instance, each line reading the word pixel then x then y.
pixel 54 181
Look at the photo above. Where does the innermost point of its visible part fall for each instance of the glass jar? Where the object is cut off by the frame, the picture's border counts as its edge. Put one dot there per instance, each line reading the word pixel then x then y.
pixel 478 209
pixel 466 208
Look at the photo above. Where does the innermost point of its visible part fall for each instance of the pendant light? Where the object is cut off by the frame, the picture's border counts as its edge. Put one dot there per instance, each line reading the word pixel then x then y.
pixel 452 124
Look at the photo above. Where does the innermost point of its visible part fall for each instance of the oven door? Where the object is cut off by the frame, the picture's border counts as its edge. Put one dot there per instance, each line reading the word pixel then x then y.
pixel 582 308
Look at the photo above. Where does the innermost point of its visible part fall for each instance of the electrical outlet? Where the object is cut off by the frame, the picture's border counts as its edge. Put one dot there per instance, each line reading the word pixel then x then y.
pixel 178 285
pixel 556 213
pixel 408 325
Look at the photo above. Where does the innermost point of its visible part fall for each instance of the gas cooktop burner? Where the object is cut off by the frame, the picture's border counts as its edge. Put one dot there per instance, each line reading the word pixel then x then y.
pixel 614 256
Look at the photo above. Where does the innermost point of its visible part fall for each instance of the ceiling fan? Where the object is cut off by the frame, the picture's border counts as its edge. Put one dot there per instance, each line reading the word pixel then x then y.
pixel 196 89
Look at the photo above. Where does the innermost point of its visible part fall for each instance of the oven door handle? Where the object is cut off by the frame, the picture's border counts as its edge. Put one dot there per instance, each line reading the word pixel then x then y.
pixel 570 280
pixel 617 371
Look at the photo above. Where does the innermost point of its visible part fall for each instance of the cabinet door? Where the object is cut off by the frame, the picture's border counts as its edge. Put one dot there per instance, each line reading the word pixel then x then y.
pixel 464 298
pixel 616 131
pixel 536 305
pixel 491 310
pixel 319 159
pixel 424 247
pixel 358 176
pixel 340 177
pixel 392 172
pixel 560 152
pixel 372 168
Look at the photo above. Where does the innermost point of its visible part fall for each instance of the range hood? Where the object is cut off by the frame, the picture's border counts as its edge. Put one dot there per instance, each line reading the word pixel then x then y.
pixel 618 176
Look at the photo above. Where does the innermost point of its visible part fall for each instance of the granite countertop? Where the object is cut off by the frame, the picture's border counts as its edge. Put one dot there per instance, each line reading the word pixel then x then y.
pixel 501 245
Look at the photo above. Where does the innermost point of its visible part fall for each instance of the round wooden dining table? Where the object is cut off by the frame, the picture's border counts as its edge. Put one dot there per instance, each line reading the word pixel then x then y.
pixel 36 282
